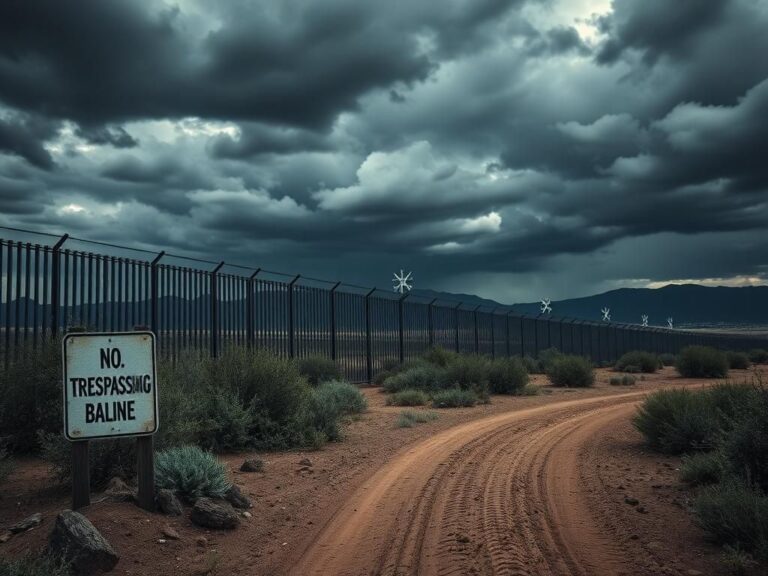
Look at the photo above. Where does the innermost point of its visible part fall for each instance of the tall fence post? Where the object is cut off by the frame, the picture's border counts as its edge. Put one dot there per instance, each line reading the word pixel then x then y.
pixel 155 293
pixel 215 310
pixel 333 319
pixel 55 285
pixel 250 308
pixel 493 332
pixel 401 327
pixel 291 320
pixel 431 322
pixel 368 345
pixel 477 335
pixel 509 348
pixel 456 324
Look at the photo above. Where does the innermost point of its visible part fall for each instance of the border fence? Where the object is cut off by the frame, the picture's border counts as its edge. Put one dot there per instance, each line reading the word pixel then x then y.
pixel 46 288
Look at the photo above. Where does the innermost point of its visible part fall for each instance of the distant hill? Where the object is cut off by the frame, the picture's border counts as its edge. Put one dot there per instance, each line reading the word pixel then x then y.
pixel 690 305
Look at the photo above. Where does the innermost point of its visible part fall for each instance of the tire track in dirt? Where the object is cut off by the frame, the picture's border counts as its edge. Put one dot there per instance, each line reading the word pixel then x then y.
pixel 501 495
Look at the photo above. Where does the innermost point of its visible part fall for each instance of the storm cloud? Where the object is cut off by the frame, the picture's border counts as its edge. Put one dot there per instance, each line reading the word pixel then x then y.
pixel 502 147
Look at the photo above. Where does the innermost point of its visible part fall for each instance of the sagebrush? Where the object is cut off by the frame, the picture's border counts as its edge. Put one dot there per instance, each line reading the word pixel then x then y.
pixel 191 473
pixel 571 372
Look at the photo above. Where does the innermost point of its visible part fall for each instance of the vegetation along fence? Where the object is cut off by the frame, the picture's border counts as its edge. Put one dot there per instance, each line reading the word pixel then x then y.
pixel 208 306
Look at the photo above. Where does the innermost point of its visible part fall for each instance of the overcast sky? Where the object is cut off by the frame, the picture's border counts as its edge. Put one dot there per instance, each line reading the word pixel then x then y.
pixel 513 149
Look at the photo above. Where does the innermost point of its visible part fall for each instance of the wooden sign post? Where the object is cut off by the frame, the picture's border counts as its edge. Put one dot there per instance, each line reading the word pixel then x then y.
pixel 110 391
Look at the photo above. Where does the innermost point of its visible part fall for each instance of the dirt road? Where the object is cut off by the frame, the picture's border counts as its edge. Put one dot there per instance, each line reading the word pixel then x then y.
pixel 514 493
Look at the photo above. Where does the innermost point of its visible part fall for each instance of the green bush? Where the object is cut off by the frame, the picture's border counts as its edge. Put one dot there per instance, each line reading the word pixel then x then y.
pixel 734 514
pixel 409 418
pixel 107 459
pixel 531 365
pixel 30 396
pixel 702 468
pixel 571 372
pixel 30 565
pixel 439 356
pixel 701 362
pixel 667 359
pixel 737 360
pixel 746 446
pixel 224 424
pixel 758 356
pixel 507 376
pixel 625 380
pixel 643 362
pixel 676 421
pixel 454 398
pixel 191 472
pixel 408 397
pixel 531 389
pixel 468 372
pixel 318 369
pixel 422 376
pixel 380 377
pixel 328 404
pixel 547 358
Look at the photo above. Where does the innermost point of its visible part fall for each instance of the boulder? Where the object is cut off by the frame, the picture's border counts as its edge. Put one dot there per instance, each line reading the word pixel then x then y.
pixel 167 503
pixel 80 544
pixel 216 514
pixel 27 524
pixel 235 497
pixel 252 465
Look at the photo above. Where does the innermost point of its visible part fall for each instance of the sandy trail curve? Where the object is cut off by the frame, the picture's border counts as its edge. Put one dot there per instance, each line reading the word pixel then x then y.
pixel 508 494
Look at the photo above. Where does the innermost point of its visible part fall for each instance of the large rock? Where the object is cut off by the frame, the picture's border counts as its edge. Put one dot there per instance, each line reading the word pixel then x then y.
pixel 216 514
pixel 252 465
pixel 27 524
pixel 235 497
pixel 81 545
pixel 167 503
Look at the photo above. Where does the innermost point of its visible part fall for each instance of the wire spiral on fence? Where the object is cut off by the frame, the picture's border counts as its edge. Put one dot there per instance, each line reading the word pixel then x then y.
pixel 47 288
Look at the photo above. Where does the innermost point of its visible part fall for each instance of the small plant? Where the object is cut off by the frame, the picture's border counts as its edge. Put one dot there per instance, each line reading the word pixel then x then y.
pixel 422 376
pixel 737 562
pixel 667 359
pixel 191 472
pixel 734 514
pixel 625 380
pixel 758 356
pixel 507 376
pixel 737 360
pixel 547 358
pixel 31 565
pixel 702 468
pixel 571 371
pixel 408 397
pixel 439 356
pixel 454 398
pixel 531 389
pixel 348 397
pixel 468 372
pixel 328 404
pixel 746 446
pixel 409 418
pixel 318 369
pixel 702 362
pixel 531 365
pixel 638 361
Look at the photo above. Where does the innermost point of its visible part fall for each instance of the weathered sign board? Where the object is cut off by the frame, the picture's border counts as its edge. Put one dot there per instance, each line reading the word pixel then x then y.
pixel 110 390
pixel 110 385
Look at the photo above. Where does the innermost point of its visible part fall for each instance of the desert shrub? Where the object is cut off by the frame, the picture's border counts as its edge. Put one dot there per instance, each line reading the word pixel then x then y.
pixel 30 396
pixel 422 376
pixel 571 371
pixel 758 356
pixel 191 473
pixel 409 397
pixel 380 377
pixel 531 365
pixel 640 360
pixel 667 359
pixel 439 356
pixel 737 360
pixel 6 464
pixel 107 459
pixel 676 421
pixel 468 372
pixel 624 380
pixel 31 565
pixel 734 514
pixel 391 365
pixel 547 358
pixel 530 389
pixel 702 468
pixel 746 446
pixel 454 398
pixel 409 418
pixel 317 369
pixel 701 362
pixel 223 423
pixel 737 562
pixel 507 376
pixel 328 404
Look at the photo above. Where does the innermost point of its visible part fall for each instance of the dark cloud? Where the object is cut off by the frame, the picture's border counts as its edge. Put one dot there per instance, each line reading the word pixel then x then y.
pixel 492 145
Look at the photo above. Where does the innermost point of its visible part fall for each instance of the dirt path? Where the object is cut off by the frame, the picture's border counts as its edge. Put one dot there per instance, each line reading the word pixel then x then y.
pixel 505 495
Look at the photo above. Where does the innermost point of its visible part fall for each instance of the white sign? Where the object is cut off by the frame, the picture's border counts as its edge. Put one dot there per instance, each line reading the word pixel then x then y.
pixel 110 385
